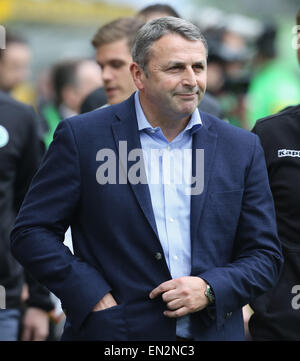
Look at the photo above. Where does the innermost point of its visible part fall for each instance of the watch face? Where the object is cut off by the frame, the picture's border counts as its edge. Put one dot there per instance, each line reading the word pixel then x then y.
pixel 209 294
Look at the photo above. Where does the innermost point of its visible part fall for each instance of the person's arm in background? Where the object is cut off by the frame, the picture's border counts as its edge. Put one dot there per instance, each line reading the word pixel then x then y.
pixel 247 313
pixel 30 157
pixel 35 323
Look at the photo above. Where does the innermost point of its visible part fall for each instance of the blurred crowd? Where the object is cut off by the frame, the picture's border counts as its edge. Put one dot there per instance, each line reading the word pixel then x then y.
pixel 246 81
pixel 243 69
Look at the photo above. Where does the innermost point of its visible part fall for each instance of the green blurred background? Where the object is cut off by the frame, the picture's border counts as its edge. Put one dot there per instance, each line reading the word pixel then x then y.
pixel 59 29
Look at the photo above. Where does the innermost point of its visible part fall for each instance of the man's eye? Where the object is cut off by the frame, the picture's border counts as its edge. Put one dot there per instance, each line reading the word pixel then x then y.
pixel 198 67
pixel 176 67
pixel 117 64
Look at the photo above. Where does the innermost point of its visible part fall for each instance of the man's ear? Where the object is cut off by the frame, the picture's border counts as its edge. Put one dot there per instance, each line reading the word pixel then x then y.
pixel 138 75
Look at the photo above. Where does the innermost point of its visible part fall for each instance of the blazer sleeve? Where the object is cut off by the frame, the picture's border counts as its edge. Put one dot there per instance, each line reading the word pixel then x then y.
pixel 257 257
pixel 38 235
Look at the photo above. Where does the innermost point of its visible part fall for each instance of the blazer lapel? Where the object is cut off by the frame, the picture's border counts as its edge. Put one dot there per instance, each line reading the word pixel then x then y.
pixel 125 130
pixel 205 139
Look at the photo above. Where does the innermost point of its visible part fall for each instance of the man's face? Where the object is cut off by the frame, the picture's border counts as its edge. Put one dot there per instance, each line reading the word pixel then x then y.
pixel 176 79
pixel 114 60
pixel 88 78
pixel 14 66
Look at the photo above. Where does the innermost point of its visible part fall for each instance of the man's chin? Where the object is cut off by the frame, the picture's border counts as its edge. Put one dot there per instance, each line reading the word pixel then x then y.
pixel 114 100
pixel 187 109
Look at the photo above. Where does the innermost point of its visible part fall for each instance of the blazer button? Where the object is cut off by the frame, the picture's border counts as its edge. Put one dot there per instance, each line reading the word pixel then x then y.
pixel 158 256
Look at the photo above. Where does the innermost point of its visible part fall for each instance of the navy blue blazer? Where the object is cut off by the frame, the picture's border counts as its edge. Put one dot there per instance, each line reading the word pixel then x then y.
pixel 234 243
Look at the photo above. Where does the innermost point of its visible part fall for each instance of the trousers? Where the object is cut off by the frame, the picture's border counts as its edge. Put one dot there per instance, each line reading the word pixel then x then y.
pixel 9 324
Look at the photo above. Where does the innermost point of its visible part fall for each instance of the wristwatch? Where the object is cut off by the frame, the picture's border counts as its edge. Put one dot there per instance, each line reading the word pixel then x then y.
pixel 209 293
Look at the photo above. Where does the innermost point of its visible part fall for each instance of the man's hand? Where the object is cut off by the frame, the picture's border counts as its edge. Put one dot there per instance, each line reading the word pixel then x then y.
pixel 106 302
pixel 247 313
pixel 35 325
pixel 182 295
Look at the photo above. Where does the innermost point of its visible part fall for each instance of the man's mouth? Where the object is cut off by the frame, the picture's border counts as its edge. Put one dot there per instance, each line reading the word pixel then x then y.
pixel 111 91
pixel 187 95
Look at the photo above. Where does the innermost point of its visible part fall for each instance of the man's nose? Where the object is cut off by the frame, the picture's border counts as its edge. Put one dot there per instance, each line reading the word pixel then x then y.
pixel 106 74
pixel 189 77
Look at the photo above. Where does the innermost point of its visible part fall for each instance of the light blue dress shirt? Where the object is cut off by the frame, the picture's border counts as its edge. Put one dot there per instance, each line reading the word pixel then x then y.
pixel 169 170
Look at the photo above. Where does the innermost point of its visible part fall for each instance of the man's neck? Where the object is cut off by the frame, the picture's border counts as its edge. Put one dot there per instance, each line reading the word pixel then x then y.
pixel 170 124
pixel 171 130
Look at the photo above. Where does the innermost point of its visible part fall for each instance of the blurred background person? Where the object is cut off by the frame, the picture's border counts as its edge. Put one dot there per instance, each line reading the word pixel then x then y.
pixel 273 86
pixel 20 154
pixel 14 63
pixel 112 43
pixel 156 11
pixel 245 72
pixel 226 73
pixel 72 81
pixel 19 159
pixel 122 29
pixel 276 313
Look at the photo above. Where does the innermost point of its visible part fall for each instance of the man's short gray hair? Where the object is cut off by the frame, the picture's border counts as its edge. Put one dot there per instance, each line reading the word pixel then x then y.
pixel 157 28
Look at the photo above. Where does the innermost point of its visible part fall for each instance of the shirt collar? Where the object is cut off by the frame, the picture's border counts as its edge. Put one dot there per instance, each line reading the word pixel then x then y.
pixel 194 124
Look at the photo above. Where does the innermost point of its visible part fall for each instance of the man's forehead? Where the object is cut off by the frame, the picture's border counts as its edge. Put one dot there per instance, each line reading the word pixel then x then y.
pixel 122 44
pixel 178 43
pixel 176 49
pixel 117 50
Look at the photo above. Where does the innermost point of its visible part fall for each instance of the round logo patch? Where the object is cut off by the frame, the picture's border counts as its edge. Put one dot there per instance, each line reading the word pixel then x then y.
pixel 4 136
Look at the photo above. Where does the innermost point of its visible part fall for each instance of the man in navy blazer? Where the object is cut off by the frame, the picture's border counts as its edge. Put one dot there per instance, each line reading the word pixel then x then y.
pixel 153 259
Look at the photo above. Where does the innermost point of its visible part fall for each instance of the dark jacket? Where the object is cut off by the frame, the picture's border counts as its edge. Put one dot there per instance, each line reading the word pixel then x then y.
pixel 277 313
pixel 19 159
pixel 116 244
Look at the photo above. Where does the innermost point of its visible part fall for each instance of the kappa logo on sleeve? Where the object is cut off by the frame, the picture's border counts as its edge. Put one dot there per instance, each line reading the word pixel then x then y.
pixel 288 153
pixel 4 136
